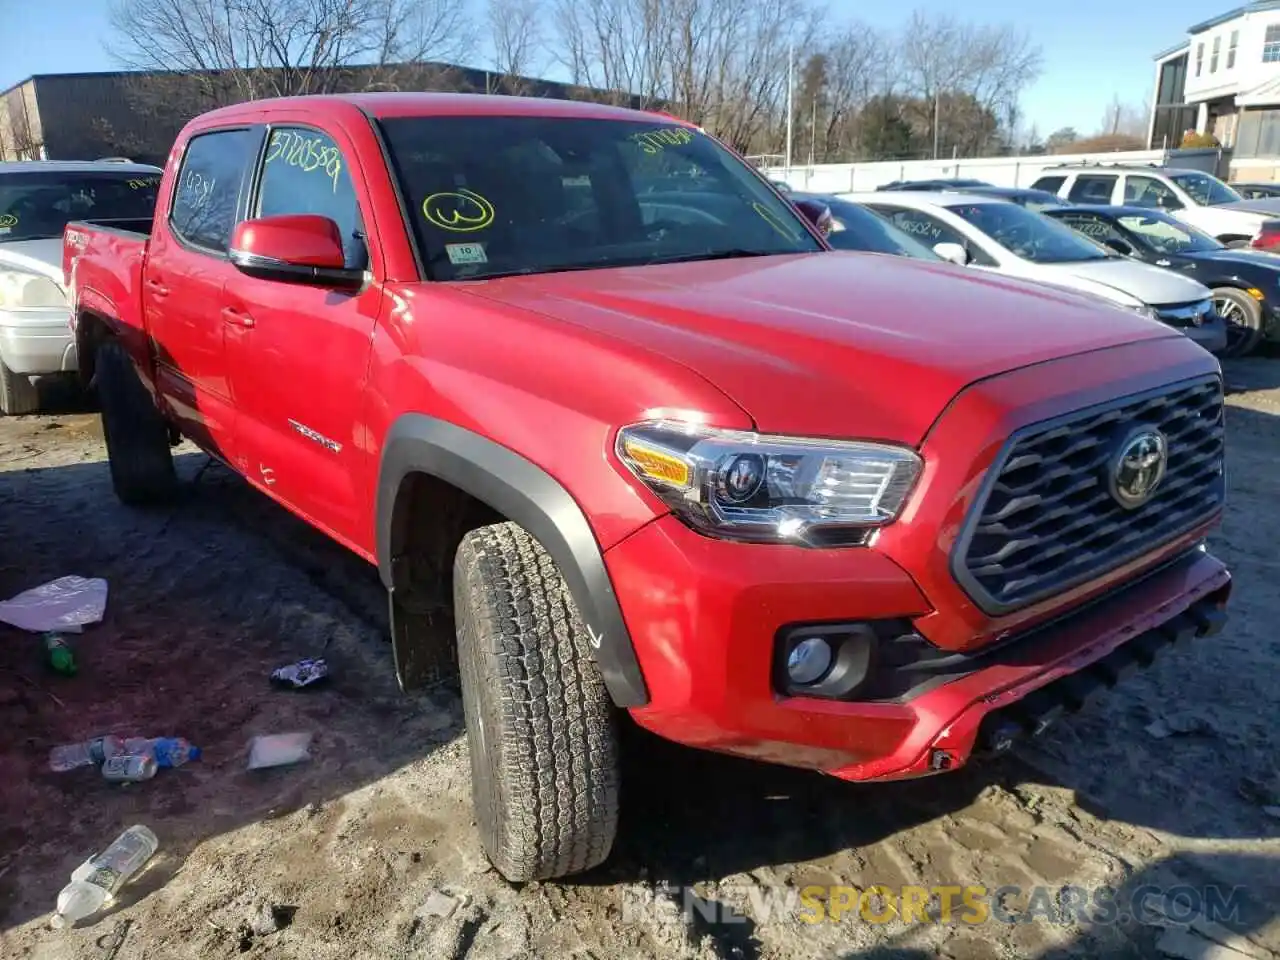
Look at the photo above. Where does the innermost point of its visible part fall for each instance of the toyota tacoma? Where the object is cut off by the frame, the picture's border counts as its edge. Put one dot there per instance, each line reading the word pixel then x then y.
pixel 658 450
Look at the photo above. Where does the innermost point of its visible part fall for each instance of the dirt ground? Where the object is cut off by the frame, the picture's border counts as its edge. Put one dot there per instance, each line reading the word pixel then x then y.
pixel 358 851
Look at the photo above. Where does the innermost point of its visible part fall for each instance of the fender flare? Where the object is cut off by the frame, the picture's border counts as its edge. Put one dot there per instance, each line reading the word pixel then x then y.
pixel 525 494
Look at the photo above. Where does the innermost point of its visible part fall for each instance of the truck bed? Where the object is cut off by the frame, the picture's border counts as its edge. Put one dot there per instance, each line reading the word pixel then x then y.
pixel 102 266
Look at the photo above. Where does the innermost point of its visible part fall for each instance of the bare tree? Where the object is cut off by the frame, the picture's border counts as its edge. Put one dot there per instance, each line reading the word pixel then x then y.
pixel 519 47
pixel 254 48
pixel 615 46
pixel 1124 119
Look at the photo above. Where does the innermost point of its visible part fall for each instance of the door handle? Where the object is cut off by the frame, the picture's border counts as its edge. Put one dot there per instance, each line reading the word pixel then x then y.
pixel 236 317
pixel 159 289
pixel 1162 263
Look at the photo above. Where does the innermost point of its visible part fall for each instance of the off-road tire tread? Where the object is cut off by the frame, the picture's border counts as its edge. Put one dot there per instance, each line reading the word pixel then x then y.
pixel 18 395
pixel 136 434
pixel 546 789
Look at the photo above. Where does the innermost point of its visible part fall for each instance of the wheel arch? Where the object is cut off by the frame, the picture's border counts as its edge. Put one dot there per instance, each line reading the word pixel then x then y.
pixel 520 491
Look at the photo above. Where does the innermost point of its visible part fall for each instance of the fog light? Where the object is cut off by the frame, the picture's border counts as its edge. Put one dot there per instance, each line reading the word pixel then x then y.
pixel 809 660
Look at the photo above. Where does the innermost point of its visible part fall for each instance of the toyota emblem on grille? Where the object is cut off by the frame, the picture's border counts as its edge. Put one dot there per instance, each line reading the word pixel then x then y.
pixel 1138 467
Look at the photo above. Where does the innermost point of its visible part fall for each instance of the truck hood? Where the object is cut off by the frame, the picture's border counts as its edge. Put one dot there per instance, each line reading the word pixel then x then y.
pixel 1140 281
pixel 35 256
pixel 835 344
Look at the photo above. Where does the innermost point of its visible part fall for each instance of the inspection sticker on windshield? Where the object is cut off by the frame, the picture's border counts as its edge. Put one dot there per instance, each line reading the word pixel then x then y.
pixel 460 253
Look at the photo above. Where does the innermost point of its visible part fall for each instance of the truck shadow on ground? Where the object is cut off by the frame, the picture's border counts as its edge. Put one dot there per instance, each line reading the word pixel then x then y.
pixel 208 596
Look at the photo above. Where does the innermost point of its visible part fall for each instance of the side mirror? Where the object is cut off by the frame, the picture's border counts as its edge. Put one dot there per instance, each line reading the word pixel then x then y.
pixel 1119 246
pixel 293 248
pixel 817 213
pixel 955 252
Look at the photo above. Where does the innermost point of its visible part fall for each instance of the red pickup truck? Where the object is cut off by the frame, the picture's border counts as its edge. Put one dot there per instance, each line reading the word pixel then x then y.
pixel 582 377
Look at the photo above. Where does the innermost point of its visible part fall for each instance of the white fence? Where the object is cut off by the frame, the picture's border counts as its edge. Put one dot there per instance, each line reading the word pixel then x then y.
pixel 1001 171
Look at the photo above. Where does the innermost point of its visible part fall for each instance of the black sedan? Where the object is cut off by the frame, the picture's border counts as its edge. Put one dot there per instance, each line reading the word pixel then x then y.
pixel 1245 283
pixel 855 227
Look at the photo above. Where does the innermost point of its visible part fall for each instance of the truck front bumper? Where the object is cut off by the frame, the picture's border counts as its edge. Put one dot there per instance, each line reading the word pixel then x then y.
pixel 37 341
pixel 706 615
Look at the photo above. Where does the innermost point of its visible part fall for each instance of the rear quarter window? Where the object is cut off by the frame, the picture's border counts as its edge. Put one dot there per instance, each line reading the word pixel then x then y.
pixel 1051 184
pixel 210 181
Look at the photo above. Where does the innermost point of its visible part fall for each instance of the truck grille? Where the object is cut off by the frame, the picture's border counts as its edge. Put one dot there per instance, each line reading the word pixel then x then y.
pixel 1047 520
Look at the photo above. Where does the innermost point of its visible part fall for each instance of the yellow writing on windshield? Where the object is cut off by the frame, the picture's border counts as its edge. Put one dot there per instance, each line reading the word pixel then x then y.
pixel 776 222
pixel 308 153
pixel 461 211
pixel 8 220
pixel 143 183
pixel 655 141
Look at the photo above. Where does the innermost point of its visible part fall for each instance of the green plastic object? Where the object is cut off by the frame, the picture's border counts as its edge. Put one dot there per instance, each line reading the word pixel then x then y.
pixel 59 654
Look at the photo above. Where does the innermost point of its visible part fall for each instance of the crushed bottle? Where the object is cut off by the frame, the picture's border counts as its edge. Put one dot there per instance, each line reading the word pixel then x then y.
pixel 166 751
pixel 96 881
pixel 303 673
pixel 90 753
pixel 58 653
pixel 129 768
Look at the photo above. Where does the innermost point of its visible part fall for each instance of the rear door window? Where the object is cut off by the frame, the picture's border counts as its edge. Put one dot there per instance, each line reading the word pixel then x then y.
pixel 1149 192
pixel 1093 188
pixel 930 230
pixel 209 187
pixel 1051 183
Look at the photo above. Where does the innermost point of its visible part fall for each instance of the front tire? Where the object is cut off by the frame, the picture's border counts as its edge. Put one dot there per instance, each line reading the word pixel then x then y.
pixel 18 395
pixel 1242 315
pixel 540 725
pixel 136 434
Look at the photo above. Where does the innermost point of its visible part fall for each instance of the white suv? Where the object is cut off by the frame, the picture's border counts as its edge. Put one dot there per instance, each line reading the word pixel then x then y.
pixel 1193 196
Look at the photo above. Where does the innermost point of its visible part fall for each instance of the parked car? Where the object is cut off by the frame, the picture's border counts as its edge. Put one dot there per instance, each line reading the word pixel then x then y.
pixel 937 184
pixel 1256 191
pixel 1192 196
pixel 855 227
pixel 1245 283
pixel 1035 200
pixel 1006 238
pixel 37 198
pixel 655 464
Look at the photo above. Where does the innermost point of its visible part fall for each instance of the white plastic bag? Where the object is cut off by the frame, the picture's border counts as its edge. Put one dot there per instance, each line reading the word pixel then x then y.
pixel 65 605
pixel 278 750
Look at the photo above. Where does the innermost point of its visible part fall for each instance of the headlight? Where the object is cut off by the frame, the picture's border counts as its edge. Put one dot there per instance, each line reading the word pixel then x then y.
pixel 750 486
pixel 20 290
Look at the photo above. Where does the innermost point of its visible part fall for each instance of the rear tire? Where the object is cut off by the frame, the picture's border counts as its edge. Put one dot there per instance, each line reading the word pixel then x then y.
pixel 1243 317
pixel 136 434
pixel 18 395
pixel 540 725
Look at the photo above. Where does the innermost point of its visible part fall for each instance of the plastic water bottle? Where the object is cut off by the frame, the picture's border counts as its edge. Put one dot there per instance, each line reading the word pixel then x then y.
pixel 166 751
pixel 88 754
pixel 95 882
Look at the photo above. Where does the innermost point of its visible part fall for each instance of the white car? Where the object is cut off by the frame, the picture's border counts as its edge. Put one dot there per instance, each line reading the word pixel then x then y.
pixel 38 199
pixel 990 234
pixel 1192 196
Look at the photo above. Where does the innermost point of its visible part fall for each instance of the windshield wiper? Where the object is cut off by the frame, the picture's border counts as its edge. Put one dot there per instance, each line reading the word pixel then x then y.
pixel 730 254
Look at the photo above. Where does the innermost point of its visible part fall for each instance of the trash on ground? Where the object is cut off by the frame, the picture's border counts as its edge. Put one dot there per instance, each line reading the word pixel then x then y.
pixel 166 751
pixel 90 753
pixel 58 653
pixel 96 881
pixel 303 673
pixel 129 768
pixel 1180 725
pixel 66 605
pixel 438 905
pixel 278 750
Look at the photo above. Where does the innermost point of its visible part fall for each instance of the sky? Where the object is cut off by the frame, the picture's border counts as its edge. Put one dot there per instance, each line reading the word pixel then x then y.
pixel 1094 50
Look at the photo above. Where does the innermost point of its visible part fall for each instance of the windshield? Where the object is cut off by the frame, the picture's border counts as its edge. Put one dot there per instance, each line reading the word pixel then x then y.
pixel 857 228
pixel 1028 235
pixel 38 205
pixel 1205 189
pixel 1164 234
pixel 489 196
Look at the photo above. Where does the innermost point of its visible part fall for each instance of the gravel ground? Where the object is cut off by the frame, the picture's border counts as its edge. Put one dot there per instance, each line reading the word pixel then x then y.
pixel 368 848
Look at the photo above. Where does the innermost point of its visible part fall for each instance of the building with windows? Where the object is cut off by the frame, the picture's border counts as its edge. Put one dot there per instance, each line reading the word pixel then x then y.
pixel 1224 79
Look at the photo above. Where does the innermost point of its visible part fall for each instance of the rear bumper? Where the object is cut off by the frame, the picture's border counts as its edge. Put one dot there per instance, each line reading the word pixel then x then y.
pixel 707 653
pixel 37 342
